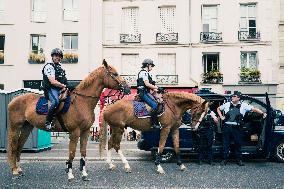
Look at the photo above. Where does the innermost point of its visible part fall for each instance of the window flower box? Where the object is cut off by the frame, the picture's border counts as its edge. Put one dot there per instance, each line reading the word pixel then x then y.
pixel 214 76
pixel 35 58
pixel 250 75
pixel 1 58
pixel 70 58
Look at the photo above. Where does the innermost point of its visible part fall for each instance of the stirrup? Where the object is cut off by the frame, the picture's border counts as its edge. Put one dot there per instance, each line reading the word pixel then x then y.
pixel 155 126
pixel 48 125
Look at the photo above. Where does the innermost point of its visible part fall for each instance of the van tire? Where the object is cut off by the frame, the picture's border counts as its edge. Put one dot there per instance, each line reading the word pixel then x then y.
pixel 279 151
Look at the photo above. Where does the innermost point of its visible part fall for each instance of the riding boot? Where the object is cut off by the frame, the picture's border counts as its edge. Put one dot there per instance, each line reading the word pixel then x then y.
pixel 154 120
pixel 49 120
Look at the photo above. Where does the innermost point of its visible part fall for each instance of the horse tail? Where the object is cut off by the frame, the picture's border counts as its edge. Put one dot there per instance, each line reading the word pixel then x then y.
pixel 103 135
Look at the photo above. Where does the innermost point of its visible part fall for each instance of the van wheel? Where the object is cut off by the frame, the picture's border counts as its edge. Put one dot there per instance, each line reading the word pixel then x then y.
pixel 167 156
pixel 279 151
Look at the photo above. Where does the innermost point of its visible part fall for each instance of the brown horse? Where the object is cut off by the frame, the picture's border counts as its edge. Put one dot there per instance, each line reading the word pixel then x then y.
pixel 121 114
pixel 78 119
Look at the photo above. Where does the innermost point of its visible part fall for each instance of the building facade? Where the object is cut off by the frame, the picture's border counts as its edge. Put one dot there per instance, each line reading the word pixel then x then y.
pixel 223 45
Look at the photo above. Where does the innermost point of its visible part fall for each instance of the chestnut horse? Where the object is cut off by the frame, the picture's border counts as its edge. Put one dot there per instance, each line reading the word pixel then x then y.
pixel 121 114
pixel 78 119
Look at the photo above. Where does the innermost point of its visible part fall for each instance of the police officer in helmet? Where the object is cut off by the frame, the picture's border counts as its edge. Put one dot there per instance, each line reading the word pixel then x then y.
pixel 146 84
pixel 234 113
pixel 54 80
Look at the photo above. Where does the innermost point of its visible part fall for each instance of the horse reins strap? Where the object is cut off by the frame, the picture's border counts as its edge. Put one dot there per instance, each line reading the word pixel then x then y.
pixel 85 95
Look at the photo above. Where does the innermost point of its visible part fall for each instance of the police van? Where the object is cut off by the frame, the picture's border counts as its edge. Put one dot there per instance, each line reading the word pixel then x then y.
pixel 261 137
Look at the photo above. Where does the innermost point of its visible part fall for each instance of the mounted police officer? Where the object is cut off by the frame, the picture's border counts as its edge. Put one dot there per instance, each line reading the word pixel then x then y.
pixel 54 81
pixel 234 113
pixel 205 133
pixel 145 84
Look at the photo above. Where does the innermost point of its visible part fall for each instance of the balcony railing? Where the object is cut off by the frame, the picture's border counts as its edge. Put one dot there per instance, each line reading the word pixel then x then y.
pixel 167 37
pixel 248 36
pixel 210 37
pixel 130 38
pixel 130 79
pixel 167 79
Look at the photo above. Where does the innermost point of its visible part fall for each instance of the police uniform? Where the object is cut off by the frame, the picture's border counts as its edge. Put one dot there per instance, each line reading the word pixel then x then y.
pixel 206 137
pixel 53 92
pixel 231 128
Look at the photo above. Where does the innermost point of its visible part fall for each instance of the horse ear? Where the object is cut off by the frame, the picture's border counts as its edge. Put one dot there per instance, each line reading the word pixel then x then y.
pixel 105 64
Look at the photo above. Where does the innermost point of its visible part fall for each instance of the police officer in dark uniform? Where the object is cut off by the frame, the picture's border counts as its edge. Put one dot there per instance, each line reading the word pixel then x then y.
pixel 54 80
pixel 234 112
pixel 145 84
pixel 205 134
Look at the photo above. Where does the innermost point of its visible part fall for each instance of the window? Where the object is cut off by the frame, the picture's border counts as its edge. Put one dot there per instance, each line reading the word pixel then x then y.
pixel 210 18
pixel 167 19
pixel 210 62
pixel 166 64
pixel 2 10
pixel 70 48
pixel 39 10
pixel 2 45
pixel 70 42
pixel 130 20
pixel 37 43
pixel 249 60
pixel 70 10
pixel 248 19
pixel 130 64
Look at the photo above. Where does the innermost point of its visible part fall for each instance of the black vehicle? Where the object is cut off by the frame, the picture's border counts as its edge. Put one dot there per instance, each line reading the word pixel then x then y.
pixel 264 137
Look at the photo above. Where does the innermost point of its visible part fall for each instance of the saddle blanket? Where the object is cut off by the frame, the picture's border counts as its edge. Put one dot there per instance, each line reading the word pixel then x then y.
pixel 42 105
pixel 140 110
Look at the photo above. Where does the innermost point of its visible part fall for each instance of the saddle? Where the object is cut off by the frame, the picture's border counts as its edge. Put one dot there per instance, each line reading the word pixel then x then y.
pixel 142 109
pixel 42 103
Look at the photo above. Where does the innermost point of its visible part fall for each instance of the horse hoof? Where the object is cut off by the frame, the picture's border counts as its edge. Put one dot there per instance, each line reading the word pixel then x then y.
pixel 85 178
pixel 182 168
pixel 161 172
pixel 111 167
pixel 15 177
pixel 128 170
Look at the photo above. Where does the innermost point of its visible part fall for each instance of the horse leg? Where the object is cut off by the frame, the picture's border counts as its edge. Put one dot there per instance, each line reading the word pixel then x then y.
pixel 163 137
pixel 25 132
pixel 117 136
pixel 175 136
pixel 108 158
pixel 13 138
pixel 73 136
pixel 83 146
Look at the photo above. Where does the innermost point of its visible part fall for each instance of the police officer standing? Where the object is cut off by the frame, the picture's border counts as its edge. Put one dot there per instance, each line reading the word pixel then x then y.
pixel 205 134
pixel 54 80
pixel 145 84
pixel 234 112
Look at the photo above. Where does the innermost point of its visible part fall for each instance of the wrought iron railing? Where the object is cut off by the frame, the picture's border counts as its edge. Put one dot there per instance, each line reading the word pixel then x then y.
pixel 167 79
pixel 248 36
pixel 167 37
pixel 210 37
pixel 130 38
pixel 130 79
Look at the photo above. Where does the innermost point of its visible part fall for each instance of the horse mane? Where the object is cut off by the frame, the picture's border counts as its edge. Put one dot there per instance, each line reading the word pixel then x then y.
pixel 85 83
pixel 185 95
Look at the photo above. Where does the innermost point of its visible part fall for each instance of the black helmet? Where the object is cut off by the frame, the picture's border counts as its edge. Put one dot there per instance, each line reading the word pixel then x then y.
pixel 237 93
pixel 147 62
pixel 57 51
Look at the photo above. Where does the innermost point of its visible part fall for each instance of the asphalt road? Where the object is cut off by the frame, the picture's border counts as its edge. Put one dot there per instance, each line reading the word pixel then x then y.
pixel 50 174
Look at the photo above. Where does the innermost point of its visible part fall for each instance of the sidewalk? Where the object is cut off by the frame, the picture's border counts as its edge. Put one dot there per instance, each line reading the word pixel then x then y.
pixel 60 152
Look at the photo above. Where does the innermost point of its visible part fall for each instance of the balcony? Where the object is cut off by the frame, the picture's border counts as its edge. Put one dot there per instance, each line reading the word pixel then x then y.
pixel 210 37
pixel 130 38
pixel 167 79
pixel 248 36
pixel 250 76
pixel 167 38
pixel 212 77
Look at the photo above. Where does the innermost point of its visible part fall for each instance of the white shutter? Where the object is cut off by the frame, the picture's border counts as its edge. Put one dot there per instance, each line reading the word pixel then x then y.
pixel 130 20
pixel 70 10
pixel 166 64
pixel 167 19
pixel 39 11
pixel 130 64
pixel 248 12
pixel 210 18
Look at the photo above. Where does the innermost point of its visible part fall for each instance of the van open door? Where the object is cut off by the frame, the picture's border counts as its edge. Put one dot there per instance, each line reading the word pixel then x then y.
pixel 265 142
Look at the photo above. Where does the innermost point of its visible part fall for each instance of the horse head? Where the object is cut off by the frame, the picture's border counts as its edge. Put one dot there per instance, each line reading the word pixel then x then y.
pixel 198 113
pixel 113 80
